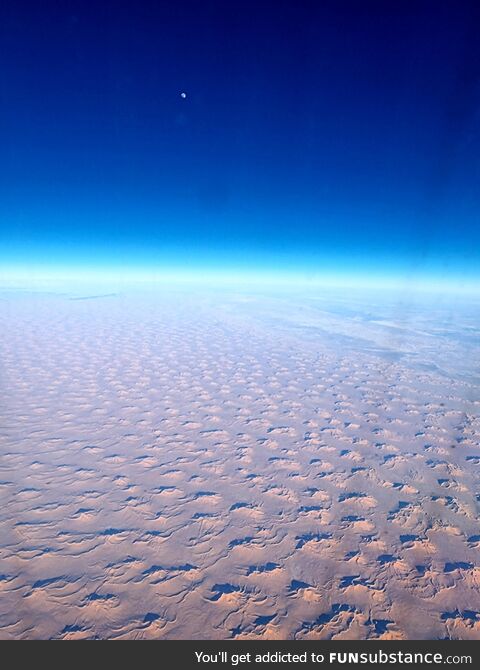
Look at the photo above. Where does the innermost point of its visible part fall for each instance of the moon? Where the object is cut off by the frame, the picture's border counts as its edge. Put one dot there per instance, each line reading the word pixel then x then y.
pixel 183 95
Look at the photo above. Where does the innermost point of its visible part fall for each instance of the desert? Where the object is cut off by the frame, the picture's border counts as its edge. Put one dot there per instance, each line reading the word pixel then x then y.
pixel 195 464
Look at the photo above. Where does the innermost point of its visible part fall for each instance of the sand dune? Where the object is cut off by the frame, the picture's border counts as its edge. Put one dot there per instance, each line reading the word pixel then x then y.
pixel 187 465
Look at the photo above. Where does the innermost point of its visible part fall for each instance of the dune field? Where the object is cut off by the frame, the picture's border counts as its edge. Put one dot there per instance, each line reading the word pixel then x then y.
pixel 239 464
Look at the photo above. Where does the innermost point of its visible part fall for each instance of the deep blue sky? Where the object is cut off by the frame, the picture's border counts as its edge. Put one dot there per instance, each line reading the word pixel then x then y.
pixel 314 134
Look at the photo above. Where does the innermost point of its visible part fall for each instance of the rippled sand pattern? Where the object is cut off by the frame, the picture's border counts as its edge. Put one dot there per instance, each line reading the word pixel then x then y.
pixel 231 466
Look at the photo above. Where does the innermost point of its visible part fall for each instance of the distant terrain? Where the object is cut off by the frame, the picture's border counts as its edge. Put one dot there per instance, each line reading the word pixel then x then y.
pixel 209 465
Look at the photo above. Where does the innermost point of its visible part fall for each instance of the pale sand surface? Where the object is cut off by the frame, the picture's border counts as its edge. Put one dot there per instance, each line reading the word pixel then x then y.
pixel 220 465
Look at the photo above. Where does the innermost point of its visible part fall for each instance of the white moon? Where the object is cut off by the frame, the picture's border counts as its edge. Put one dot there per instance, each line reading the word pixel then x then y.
pixel 183 95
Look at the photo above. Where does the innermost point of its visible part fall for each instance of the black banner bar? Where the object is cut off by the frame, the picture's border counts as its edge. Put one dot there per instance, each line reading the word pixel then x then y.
pixel 258 654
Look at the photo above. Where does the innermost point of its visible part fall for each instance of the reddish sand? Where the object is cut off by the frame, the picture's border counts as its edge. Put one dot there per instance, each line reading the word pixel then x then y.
pixel 227 465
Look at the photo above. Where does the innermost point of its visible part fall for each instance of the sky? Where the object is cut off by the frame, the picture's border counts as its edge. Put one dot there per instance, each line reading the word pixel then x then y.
pixel 333 137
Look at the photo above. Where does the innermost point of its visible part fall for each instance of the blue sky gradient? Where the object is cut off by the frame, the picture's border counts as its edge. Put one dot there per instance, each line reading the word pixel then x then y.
pixel 316 138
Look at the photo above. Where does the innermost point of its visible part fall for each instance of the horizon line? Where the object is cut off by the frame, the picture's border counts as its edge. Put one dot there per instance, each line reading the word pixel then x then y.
pixel 38 276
